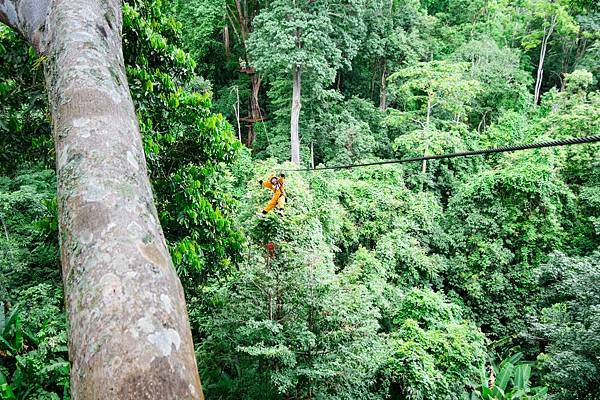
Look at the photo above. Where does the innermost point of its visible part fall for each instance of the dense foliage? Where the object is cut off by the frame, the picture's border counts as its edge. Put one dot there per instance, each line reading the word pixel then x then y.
pixel 469 278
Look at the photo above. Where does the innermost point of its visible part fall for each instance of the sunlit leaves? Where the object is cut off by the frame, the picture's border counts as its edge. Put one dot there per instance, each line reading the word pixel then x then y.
pixel 186 146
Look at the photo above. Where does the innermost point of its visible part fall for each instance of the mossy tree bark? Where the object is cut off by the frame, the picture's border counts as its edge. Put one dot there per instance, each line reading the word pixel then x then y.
pixel 129 333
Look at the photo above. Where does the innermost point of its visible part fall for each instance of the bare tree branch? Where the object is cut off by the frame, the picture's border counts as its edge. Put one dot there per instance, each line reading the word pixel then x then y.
pixel 8 13
pixel 27 17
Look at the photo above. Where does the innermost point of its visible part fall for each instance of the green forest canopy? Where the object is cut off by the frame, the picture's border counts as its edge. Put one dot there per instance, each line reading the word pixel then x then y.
pixel 472 278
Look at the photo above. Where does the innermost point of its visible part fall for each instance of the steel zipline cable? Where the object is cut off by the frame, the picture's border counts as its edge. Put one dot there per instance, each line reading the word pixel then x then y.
pixel 505 149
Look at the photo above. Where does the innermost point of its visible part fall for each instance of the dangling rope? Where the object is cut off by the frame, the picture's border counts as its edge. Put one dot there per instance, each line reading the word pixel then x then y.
pixel 505 149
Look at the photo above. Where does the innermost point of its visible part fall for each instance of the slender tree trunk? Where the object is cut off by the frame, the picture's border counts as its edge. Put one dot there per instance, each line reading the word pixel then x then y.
pixel 426 135
pixel 226 42
pixel 540 70
pixel 236 110
pixel 296 105
pixel 564 70
pixel 255 114
pixel 5 228
pixel 129 335
pixel 372 83
pixel 383 91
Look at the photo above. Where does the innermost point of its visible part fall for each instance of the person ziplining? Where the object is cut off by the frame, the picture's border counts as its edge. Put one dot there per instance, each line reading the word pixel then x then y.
pixel 277 186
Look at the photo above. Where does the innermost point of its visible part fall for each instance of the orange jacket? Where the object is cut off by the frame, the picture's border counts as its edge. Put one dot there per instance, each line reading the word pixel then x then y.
pixel 278 189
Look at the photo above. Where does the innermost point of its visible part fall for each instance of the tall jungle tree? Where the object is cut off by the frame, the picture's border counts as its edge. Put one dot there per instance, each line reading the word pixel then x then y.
pixel 547 18
pixel 307 39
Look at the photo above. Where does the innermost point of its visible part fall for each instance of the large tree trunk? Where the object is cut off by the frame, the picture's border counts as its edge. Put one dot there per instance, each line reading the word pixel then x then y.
pixel 296 105
pixel 129 334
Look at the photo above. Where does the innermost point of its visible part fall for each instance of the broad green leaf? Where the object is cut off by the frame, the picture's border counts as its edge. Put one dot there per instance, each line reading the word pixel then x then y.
pixel 486 393
pixel 521 376
pixel 504 377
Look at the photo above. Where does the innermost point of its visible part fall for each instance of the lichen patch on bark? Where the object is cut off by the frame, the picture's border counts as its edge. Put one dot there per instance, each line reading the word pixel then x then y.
pixel 166 301
pixel 151 253
pixel 164 339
